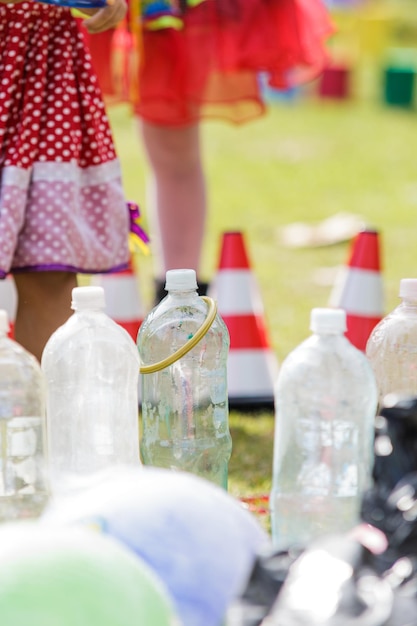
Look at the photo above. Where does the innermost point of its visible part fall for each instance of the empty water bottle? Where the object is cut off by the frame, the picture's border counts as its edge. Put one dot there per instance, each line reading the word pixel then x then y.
pixel 91 365
pixel 325 402
pixel 23 482
pixel 183 344
pixel 392 345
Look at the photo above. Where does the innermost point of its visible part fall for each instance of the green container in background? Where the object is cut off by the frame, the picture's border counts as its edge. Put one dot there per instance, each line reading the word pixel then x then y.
pixel 399 77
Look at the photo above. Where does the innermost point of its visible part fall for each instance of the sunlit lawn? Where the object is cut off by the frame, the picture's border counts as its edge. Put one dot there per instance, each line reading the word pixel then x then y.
pixel 305 161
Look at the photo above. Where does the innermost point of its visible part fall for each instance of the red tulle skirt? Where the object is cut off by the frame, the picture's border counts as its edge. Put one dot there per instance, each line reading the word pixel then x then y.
pixel 211 67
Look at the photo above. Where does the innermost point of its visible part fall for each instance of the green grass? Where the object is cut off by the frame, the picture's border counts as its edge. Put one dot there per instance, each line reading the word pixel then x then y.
pixel 305 161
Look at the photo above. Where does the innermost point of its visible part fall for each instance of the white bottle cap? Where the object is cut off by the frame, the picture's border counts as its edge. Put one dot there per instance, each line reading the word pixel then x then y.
pixel 4 322
pixel 328 320
pixel 181 280
pixel 88 297
pixel 408 288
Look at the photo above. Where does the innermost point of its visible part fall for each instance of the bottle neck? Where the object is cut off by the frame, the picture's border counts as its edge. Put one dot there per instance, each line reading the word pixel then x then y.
pixel 88 310
pixel 183 293
pixel 329 334
pixel 409 303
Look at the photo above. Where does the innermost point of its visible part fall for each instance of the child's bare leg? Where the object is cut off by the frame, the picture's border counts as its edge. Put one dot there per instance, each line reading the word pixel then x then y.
pixel 178 203
pixel 44 304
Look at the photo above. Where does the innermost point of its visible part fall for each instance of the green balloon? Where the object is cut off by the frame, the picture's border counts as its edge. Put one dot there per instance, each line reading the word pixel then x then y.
pixel 74 577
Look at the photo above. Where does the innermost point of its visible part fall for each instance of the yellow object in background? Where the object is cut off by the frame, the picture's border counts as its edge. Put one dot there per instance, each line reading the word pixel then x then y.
pixel 385 24
pixel 375 32
pixel 77 13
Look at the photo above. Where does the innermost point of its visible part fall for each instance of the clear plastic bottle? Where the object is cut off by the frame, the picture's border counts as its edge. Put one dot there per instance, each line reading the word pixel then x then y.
pixel 91 365
pixel 325 403
pixel 23 481
pixel 392 345
pixel 185 411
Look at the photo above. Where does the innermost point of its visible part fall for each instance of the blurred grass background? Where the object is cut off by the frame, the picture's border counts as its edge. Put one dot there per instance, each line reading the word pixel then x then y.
pixel 306 160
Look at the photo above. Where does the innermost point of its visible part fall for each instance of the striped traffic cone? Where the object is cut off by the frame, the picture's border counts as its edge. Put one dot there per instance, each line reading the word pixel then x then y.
pixel 359 290
pixel 123 301
pixel 252 365
pixel 8 301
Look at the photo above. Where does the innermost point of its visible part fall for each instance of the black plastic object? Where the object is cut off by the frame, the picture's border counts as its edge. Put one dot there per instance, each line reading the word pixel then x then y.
pixel 268 575
pixel 395 440
pixel 395 459
pixel 331 583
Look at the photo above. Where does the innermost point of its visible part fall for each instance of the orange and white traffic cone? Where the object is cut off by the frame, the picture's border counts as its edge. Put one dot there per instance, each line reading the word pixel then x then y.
pixel 252 365
pixel 123 301
pixel 8 301
pixel 359 290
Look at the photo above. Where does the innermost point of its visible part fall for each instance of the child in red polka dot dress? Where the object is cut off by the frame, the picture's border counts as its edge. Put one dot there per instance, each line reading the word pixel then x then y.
pixel 62 207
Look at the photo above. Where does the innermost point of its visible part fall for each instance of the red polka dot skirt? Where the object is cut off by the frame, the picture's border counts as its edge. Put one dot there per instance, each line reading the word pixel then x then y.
pixel 62 205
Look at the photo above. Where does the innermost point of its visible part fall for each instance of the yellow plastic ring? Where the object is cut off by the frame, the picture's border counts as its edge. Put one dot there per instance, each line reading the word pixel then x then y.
pixel 193 341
